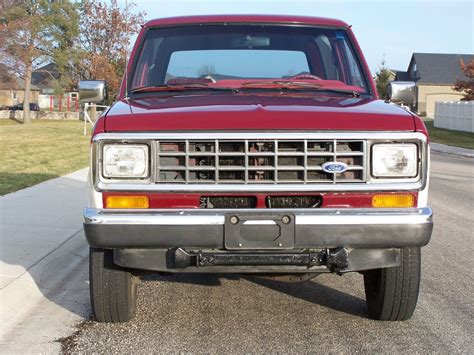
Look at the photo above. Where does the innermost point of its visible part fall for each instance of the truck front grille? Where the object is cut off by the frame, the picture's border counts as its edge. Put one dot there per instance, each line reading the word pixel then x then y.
pixel 258 161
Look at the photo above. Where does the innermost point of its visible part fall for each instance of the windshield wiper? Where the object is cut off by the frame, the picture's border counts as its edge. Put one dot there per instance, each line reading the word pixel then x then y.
pixel 296 86
pixel 342 91
pixel 280 84
pixel 185 87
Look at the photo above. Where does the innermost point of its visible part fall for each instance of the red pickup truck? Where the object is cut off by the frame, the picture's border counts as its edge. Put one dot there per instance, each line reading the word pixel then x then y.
pixel 255 144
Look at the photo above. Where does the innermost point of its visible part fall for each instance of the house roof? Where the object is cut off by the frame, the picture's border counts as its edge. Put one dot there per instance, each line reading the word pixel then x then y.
pixel 438 68
pixel 9 81
pixel 43 76
pixel 400 75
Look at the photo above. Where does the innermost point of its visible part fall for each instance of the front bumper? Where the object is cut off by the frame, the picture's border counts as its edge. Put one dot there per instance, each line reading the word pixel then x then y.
pixel 205 229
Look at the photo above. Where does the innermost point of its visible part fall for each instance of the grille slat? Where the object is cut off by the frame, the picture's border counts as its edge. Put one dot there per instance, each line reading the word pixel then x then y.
pixel 258 161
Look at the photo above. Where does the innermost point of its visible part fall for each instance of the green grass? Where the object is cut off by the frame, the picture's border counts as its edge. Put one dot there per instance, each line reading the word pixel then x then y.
pixel 40 151
pixel 446 136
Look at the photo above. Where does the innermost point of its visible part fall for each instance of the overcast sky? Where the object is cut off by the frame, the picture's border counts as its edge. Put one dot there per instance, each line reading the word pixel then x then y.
pixel 395 29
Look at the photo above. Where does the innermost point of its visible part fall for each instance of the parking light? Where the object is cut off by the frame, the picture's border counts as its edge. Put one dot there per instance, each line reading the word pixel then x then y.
pixel 393 201
pixel 127 201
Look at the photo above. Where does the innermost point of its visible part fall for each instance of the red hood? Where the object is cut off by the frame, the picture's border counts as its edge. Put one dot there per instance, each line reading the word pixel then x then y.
pixel 256 112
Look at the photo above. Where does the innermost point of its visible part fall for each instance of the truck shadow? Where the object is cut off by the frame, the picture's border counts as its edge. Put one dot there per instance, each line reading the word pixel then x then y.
pixel 317 293
pixel 310 291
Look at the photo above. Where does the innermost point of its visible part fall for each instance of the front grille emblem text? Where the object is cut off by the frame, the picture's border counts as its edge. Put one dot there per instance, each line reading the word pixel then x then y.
pixel 334 167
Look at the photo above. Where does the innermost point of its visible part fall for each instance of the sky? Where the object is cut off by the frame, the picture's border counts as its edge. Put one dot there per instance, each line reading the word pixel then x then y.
pixel 385 29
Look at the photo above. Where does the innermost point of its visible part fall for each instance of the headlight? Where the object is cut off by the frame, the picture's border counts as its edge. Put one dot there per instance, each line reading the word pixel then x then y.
pixel 125 161
pixel 394 160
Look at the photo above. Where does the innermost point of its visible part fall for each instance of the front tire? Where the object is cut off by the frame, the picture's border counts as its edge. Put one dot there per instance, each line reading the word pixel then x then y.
pixel 112 290
pixel 392 293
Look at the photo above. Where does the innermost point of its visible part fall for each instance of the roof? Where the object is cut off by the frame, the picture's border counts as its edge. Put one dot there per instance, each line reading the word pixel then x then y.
pixel 319 21
pixel 401 75
pixel 43 76
pixel 438 68
pixel 9 81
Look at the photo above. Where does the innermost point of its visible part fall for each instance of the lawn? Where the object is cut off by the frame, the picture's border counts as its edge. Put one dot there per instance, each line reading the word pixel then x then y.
pixel 40 151
pixel 446 136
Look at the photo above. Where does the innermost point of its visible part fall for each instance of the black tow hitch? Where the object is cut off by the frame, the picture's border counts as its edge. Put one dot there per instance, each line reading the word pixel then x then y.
pixel 301 259
pixel 335 259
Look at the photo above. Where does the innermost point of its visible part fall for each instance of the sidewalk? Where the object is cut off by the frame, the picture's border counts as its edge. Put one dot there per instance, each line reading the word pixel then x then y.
pixel 36 220
pixel 43 263
pixel 464 152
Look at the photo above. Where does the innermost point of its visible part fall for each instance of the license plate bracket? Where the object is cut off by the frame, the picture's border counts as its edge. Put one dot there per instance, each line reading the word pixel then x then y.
pixel 244 231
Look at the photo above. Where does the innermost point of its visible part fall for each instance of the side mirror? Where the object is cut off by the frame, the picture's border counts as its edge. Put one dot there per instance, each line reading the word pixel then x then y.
pixel 93 91
pixel 401 92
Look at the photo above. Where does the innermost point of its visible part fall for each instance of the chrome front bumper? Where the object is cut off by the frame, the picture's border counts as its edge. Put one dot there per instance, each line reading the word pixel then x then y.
pixel 204 229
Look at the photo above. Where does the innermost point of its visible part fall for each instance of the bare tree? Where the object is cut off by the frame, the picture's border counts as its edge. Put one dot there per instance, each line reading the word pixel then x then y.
pixel 206 69
pixel 106 30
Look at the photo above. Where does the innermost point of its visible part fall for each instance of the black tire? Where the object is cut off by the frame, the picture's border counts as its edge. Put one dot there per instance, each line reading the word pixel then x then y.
pixel 112 290
pixel 392 293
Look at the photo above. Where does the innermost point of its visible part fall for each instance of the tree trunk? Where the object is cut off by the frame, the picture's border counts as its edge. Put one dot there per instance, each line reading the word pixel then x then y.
pixel 26 100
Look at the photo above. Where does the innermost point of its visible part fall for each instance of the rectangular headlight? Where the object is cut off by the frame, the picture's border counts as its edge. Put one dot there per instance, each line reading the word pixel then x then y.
pixel 395 160
pixel 125 161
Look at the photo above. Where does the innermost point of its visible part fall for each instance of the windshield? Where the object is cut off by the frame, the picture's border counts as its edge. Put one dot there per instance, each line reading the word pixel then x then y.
pixel 239 54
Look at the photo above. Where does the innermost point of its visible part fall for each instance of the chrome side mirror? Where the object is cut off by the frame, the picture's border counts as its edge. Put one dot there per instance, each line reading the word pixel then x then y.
pixel 93 91
pixel 402 92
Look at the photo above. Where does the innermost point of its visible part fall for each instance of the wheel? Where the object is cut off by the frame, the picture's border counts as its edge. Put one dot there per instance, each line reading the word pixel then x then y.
pixel 392 293
pixel 112 290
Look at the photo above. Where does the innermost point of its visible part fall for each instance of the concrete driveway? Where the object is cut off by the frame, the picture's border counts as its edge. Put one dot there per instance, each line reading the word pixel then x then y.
pixel 199 313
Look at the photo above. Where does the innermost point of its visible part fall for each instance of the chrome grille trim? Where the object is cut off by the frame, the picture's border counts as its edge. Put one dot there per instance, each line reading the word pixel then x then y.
pixel 371 137
pixel 187 167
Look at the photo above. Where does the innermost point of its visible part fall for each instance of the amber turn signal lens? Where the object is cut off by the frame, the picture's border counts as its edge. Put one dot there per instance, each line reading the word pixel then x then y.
pixel 127 201
pixel 393 201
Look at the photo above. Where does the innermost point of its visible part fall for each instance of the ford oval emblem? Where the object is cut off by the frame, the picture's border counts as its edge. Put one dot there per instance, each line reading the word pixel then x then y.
pixel 334 167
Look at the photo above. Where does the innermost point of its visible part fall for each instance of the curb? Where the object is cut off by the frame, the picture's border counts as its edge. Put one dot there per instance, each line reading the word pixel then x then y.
pixel 443 148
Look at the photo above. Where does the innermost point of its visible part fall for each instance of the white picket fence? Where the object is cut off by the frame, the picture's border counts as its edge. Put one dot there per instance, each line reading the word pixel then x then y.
pixel 455 115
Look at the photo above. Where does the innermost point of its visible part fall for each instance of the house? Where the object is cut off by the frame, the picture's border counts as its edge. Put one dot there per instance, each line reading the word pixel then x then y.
pixel 46 78
pixel 434 75
pixel 12 89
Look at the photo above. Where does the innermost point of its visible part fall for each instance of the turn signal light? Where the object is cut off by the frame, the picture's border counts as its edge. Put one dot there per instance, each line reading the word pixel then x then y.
pixel 393 201
pixel 127 201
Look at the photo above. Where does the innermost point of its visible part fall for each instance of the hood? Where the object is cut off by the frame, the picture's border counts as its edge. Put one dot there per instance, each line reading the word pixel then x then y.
pixel 256 112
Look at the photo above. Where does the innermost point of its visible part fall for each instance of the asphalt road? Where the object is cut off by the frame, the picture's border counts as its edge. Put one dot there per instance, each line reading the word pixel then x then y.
pixel 201 313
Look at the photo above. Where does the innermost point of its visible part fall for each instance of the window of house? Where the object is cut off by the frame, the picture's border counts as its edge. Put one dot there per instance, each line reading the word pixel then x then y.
pixel 14 96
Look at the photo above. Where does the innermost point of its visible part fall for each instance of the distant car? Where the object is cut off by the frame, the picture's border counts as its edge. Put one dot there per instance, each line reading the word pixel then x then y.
pixel 19 107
